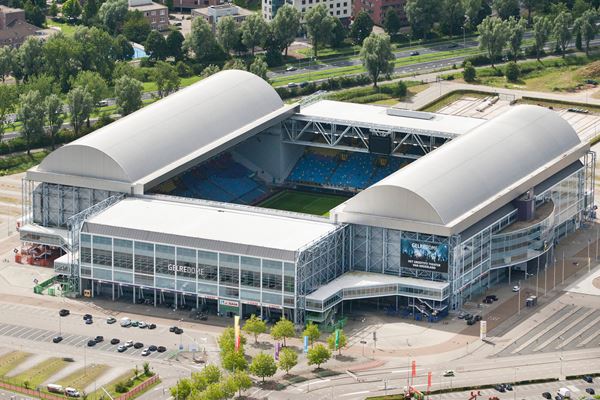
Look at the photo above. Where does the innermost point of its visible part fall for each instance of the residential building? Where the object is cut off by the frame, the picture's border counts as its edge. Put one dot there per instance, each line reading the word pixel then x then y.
pixel 157 14
pixel 13 27
pixel 212 14
pixel 377 9
pixel 341 9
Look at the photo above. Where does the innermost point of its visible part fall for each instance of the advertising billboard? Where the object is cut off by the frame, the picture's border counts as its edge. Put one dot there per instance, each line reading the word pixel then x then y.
pixel 426 256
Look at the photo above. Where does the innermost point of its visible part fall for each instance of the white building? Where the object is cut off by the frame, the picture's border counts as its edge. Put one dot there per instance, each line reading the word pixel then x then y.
pixel 337 8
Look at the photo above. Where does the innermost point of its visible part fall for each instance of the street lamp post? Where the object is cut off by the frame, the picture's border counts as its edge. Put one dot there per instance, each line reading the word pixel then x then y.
pixel 537 277
pixel 563 269
pixel 519 298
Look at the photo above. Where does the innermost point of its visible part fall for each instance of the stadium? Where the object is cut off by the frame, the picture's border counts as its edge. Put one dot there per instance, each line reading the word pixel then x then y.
pixel 222 198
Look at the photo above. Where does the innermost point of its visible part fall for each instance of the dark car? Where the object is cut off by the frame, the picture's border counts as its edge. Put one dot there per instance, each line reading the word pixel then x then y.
pixel 414 53
pixel 172 328
pixel 500 388
pixel 64 312
pixel 91 343
pixel 487 300
pixel 89 321
pixel 178 331
pixel 161 349
pixel 114 341
pixel 558 397
pixel 590 391
pixel 471 321
pixel 547 395
pixel 508 386
pixel 99 339
pixel 493 297
pixel 152 326
pixel 57 339
pixel 138 345
pixel 477 318
pixel 588 379
pixel 87 316
pixel 152 348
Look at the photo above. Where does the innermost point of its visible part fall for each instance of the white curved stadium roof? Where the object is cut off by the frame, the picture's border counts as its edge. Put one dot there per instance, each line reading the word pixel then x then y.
pixel 459 183
pixel 142 147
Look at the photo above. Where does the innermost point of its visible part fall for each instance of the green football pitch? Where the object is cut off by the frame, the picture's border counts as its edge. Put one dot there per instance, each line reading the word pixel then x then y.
pixel 304 202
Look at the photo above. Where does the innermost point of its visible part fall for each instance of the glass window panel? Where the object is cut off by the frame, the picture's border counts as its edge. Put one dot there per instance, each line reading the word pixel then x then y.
pixel 165 283
pixel 229 260
pixel 289 301
pixel 207 265
pixel 104 274
pixel 271 281
pixel 272 266
pixel 250 264
pixel 186 263
pixel 123 277
pixel 289 269
pixel 250 295
pixel 86 271
pixel 288 284
pixel 271 298
pixel 85 245
pixel 229 292
pixel 144 258
pixel 250 279
pixel 144 280
pixel 165 256
pixel 229 276
pixel 186 286
pixel 102 254
pixel 204 288
pixel 123 254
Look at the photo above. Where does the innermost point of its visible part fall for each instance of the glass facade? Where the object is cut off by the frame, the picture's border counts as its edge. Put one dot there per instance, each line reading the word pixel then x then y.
pixel 258 281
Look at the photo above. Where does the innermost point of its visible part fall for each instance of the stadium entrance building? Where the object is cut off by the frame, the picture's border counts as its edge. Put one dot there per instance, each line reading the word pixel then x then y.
pixel 174 204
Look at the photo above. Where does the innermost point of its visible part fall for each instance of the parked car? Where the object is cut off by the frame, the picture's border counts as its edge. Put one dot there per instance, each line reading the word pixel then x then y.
pixel 547 395
pixel 172 328
pixel 508 386
pixel 145 352
pixel 89 321
pixel 135 324
pixel 71 392
pixel 303 84
pixel 448 372
pixel 114 341
pixel 87 316
pixel 138 345
pixel 487 300
pixel 178 331
pixel 111 320
pixel 142 325
pixel 500 388
pixel 461 315
pixel 292 85
pixel 471 321
pixel 161 349
pixel 414 53
pixel 588 379
pixel 121 348
pixel 590 391
pixel 516 288
pixel 477 317
pixel 152 326
pixel 290 69
pixel 99 339
pixel 493 297
pixel 152 348
pixel 64 312
pixel 103 103
pixel 91 343
pixel 129 343
pixel 57 339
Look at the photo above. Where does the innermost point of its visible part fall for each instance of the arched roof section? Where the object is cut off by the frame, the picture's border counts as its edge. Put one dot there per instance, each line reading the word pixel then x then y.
pixel 155 136
pixel 461 175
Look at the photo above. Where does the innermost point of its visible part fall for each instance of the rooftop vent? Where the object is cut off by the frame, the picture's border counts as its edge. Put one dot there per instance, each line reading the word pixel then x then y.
pixel 401 112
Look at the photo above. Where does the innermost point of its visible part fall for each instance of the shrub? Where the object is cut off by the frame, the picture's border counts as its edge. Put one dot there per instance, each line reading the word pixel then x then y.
pixel 183 70
pixel 512 72
pixel 477 60
pixel 469 72
pixel 121 387
pixel 400 89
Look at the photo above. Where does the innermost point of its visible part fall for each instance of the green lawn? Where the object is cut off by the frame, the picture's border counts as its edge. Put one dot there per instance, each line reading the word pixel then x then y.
pixel 151 86
pixel 38 374
pixel 9 361
pixel 67 29
pixel 304 202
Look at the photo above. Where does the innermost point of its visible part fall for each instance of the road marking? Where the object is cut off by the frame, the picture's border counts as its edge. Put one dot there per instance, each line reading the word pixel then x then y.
pixel 355 393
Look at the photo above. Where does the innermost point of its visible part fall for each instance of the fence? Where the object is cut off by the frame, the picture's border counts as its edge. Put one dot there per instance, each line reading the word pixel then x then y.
pixel 39 288
pixel 139 388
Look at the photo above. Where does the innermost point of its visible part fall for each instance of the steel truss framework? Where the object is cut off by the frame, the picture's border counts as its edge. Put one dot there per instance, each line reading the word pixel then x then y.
pixel 319 263
pixel 302 130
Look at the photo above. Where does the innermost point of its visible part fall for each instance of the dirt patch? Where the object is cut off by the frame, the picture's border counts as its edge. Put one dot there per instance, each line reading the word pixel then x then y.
pixel 591 70
pixel 596 282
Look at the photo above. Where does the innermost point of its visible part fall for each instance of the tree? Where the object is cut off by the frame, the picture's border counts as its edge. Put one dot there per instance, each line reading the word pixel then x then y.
pixel 235 63
pixel 541 32
pixel 337 340
pixel 169 4
pixel 156 46
pixel 208 71
pixel 80 107
pixel 587 28
pixel 227 341
pixel 255 326
pixel 209 375
pixel 201 40
pixel 338 34
pixel 288 359
pixel 469 72
pixel 240 382
pixel 228 33
pixel 90 11
pixel 31 114
pixel 263 365
pixel 516 29
pixel 136 27
pixel 254 31
pixel 286 25
pixel 493 34
pixel 128 94
pixel 361 28
pixel 530 5
pixel 43 83
pixel 146 368
pixel 452 16
pixel 123 50
pixel 472 10
pixel 31 57
pixel 167 79
pixel 506 8
pixel 53 10
pixel 34 14
pixel 95 50
pixel 312 331
pixel 512 72
pixel 259 68
pixel 174 44
pixel 562 31
pixel 8 99
pixel 72 9
pixel 7 61
pixel 182 389
pixel 234 361
pixel 319 25
pixel 112 14
pixel 283 329
pixel 580 7
pixel 377 56
pixel 53 106
pixel 93 83
pixel 318 355
pixel 421 15
pixel 62 56
pixel 391 22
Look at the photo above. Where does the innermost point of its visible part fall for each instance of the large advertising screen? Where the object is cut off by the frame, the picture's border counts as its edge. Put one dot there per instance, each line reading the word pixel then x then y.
pixel 426 256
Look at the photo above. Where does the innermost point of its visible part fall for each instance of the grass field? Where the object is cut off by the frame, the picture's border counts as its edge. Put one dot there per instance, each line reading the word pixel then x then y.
pixel 304 202
pixel 38 374
pixel 9 361
pixel 83 377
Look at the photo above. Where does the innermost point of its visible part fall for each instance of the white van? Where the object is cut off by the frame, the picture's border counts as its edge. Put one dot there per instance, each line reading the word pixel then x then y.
pixel 564 392
pixel 71 392
pixel 125 322
pixel 55 388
